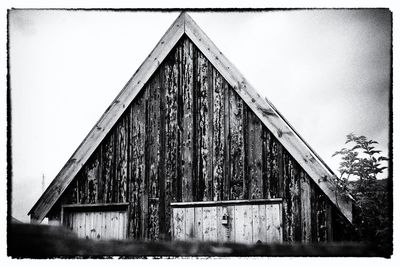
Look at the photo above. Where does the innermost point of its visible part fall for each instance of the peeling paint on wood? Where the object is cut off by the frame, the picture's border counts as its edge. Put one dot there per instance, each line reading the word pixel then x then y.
pixel 219 136
pixel 254 157
pixel 136 166
pixel 187 123
pixel 171 75
pixel 153 145
pixel 121 160
pixel 305 208
pixel 236 112
pixel 203 128
pixel 107 166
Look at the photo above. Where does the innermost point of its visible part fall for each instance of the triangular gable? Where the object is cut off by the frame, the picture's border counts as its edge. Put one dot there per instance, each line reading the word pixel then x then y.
pixel 265 111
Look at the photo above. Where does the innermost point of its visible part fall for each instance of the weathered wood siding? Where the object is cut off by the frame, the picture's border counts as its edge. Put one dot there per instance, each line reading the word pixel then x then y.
pixel 99 225
pixel 245 223
pixel 188 136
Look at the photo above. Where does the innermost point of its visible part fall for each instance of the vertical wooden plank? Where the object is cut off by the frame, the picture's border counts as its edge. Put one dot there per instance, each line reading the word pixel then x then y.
pixel 225 233
pixel 93 225
pixel 243 224
pixel 314 224
pixel 82 186
pixel 206 223
pixel 227 153
pixel 274 223
pixel 257 236
pixel 154 156
pixel 179 223
pixel 213 224
pixel 236 112
pixel 100 177
pixel 231 224
pixel 305 207
pixel 204 110
pixel 198 216
pixel 125 226
pixel 120 225
pixel 107 166
pixel 90 175
pixel 136 165
pixel 277 222
pixel 296 200
pixel 99 223
pixel 221 228
pixel 112 225
pixel 88 223
pixel 82 225
pixel 209 224
pixel 116 224
pixel 288 229
pixel 329 236
pixel 254 156
pixel 77 224
pixel 107 219
pixel 189 223
pixel 187 144
pixel 263 223
pixel 274 157
pixel 144 186
pixel 85 225
pixel 71 221
pixel 292 197
pixel 269 223
pixel 219 135
pixel 265 163
pixel 154 226
pixel 93 230
pixel 162 156
pixel 96 226
pixel 321 210
pixel 121 158
pixel 171 80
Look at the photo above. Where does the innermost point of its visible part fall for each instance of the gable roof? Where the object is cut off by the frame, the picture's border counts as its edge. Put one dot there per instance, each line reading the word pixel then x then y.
pixel 265 111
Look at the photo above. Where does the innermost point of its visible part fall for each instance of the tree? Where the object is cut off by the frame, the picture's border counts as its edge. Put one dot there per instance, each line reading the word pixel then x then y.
pixel 360 165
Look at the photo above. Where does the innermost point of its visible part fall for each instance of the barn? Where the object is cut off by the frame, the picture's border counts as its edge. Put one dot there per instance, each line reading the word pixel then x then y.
pixel 189 150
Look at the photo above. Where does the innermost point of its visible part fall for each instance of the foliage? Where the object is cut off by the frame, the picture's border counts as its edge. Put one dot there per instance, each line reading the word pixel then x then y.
pixel 360 165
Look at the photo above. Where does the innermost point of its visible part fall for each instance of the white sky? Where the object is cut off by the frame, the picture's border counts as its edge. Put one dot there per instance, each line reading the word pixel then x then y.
pixel 326 71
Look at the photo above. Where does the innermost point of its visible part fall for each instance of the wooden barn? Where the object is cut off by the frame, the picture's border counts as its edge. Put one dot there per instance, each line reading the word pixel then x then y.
pixel 189 150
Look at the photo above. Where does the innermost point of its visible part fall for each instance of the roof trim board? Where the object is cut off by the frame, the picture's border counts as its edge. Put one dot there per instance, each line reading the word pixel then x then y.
pixel 265 111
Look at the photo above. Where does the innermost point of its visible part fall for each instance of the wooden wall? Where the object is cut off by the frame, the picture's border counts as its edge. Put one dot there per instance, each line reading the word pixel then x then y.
pixel 188 136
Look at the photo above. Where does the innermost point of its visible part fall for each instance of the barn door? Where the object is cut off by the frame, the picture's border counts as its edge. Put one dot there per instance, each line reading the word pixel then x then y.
pixel 235 221
pixel 96 222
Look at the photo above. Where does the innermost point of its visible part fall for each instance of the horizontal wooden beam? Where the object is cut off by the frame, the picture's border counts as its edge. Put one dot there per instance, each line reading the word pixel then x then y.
pixel 225 203
pixel 95 207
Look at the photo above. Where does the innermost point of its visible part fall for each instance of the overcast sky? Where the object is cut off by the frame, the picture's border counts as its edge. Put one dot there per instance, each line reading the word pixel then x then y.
pixel 326 71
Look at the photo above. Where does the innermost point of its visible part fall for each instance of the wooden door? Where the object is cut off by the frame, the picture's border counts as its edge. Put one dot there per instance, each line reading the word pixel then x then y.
pixel 97 224
pixel 229 221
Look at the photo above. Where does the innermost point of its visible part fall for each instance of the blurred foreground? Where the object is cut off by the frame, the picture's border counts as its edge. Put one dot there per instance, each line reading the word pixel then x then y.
pixel 42 241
